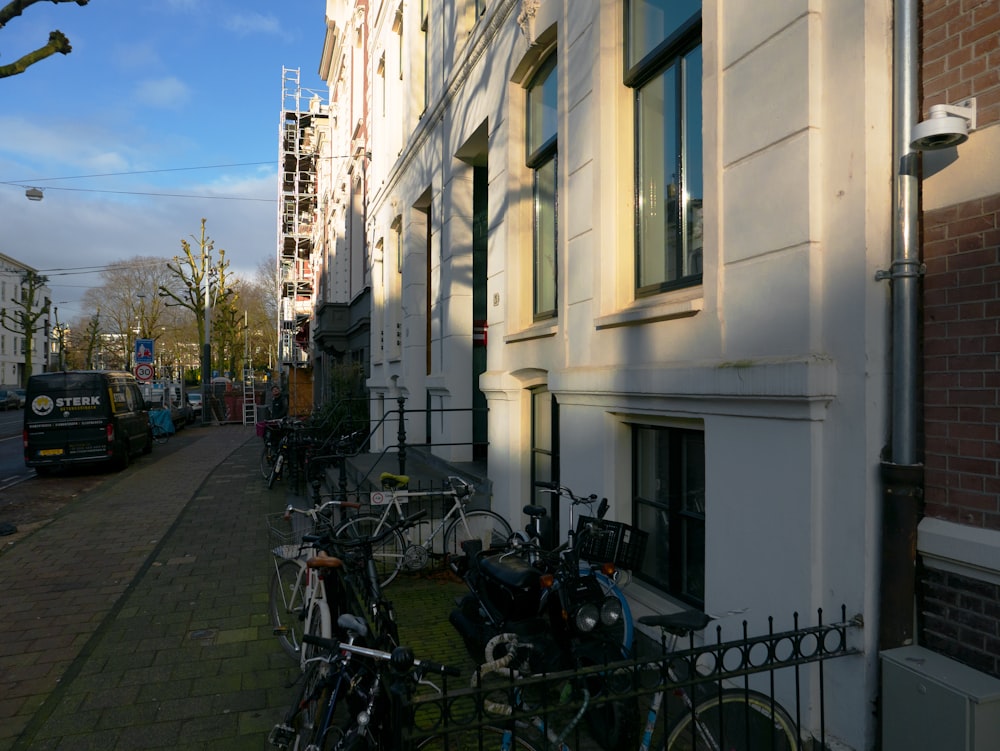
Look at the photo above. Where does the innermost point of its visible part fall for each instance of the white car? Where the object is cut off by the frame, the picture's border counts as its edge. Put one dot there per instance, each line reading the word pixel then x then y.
pixel 194 402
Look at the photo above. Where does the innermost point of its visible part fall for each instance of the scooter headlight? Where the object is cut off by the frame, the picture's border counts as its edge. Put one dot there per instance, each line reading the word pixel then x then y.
pixel 586 617
pixel 611 611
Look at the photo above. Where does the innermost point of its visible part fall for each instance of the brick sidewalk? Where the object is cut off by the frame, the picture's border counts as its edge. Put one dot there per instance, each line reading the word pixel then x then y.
pixel 138 618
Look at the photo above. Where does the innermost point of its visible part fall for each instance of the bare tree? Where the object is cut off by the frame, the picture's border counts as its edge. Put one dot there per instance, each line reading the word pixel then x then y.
pixel 25 313
pixel 57 40
pixel 82 343
pixel 199 283
pixel 130 304
pixel 262 300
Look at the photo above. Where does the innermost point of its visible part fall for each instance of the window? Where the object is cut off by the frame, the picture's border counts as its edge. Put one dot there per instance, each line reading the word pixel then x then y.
pixel 542 127
pixel 425 30
pixel 668 485
pixel 545 451
pixel 664 69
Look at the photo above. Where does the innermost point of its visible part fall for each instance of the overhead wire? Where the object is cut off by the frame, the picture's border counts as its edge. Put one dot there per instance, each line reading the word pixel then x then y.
pixel 29 182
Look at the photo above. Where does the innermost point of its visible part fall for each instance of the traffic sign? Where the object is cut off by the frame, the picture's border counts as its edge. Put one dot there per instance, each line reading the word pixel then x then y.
pixel 144 351
pixel 143 372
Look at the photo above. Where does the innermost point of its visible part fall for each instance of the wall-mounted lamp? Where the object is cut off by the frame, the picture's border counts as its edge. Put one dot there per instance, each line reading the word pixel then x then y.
pixel 34 194
pixel 948 125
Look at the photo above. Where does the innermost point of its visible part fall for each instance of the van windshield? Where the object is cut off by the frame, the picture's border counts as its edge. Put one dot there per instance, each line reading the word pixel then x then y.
pixel 65 396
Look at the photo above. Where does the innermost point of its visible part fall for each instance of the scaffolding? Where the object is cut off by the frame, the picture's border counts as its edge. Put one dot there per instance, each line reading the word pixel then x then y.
pixel 297 204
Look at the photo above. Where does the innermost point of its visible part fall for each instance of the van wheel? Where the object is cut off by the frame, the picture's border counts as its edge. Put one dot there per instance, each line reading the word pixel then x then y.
pixel 121 458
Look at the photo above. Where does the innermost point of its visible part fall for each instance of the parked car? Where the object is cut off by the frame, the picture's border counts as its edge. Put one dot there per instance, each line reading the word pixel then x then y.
pixel 85 416
pixel 194 402
pixel 9 400
pixel 22 397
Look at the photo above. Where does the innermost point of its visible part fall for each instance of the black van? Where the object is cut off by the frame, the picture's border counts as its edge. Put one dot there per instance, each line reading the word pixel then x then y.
pixel 84 416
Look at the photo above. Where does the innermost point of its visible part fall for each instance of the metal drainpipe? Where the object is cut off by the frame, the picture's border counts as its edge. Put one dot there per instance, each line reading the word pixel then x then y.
pixel 902 477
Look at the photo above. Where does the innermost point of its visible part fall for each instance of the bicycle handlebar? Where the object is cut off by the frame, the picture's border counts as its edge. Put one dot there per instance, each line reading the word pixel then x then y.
pixel 556 489
pixel 401 658
pixel 290 509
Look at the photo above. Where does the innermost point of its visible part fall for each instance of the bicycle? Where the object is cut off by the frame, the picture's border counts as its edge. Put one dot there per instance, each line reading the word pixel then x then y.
pixel 380 722
pixel 510 702
pixel 399 550
pixel 160 425
pixel 310 720
pixel 300 594
pixel 616 546
pixel 273 431
pixel 160 434
pixel 739 719
pixel 362 579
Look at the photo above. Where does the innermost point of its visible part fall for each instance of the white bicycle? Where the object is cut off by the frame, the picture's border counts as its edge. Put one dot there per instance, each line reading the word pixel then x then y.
pixel 305 593
pixel 400 549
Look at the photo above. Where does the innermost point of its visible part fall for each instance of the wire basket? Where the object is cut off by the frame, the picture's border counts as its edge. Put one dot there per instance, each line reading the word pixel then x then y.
pixel 603 541
pixel 285 535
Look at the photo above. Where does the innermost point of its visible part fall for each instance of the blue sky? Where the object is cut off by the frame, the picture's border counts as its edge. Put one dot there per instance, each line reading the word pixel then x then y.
pixel 151 87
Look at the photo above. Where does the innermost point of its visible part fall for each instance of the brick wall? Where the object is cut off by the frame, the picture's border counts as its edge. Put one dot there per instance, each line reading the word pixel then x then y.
pixel 959 618
pixel 962 362
pixel 961 55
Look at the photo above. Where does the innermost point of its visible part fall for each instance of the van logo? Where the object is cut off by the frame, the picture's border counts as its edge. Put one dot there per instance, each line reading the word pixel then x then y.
pixel 42 405
pixel 79 401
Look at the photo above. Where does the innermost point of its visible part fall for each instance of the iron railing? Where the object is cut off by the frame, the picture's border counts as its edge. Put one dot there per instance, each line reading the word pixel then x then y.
pixel 771 672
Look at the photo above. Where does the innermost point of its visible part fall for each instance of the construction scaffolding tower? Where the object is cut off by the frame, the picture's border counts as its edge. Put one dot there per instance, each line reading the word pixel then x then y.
pixel 297 204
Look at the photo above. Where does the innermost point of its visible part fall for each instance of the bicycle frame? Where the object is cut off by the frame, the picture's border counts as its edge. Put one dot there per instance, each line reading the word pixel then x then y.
pixel 394 499
pixel 309 590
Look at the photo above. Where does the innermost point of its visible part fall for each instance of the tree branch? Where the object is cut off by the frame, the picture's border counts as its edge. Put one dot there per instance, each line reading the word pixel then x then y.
pixel 57 40
pixel 15 7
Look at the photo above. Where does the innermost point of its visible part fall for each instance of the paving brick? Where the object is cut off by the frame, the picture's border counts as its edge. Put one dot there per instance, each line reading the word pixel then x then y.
pixel 170 644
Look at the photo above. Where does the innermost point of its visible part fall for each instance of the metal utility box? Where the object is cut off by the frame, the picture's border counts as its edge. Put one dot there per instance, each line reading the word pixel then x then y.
pixel 933 703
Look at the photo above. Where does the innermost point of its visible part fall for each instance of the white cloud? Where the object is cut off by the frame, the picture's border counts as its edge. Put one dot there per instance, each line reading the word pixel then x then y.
pixel 167 93
pixel 246 24
pixel 62 143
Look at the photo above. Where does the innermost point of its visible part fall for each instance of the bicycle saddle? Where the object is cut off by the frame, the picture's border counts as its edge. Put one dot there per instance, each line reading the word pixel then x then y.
pixel 393 482
pixel 353 623
pixel 679 624
pixel 322 560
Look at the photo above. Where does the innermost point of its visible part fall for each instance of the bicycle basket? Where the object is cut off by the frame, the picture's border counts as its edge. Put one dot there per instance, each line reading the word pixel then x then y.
pixel 603 541
pixel 285 535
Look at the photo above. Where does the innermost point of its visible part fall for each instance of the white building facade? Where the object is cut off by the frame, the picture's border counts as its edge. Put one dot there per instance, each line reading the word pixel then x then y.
pixel 645 236
pixel 14 345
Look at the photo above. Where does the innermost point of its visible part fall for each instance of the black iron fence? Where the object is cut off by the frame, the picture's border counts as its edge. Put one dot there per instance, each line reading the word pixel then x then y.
pixel 759 692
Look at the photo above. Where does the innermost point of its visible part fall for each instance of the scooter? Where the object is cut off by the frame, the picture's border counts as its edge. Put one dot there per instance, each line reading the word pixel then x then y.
pixel 557 610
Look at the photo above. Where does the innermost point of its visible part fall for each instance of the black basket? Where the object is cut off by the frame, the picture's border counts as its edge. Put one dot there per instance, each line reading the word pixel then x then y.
pixel 603 541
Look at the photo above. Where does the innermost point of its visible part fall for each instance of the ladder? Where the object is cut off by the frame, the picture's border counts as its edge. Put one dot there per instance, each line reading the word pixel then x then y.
pixel 249 405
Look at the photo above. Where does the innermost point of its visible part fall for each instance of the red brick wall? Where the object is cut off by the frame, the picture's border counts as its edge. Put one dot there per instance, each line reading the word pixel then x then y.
pixel 961 55
pixel 962 362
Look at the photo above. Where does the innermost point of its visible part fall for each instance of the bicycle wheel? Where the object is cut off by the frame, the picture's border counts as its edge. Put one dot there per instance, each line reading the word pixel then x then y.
pixel 488 738
pixel 279 462
pixel 317 721
pixel 487 526
pixel 387 554
pixel 267 456
pixel 318 622
pixel 287 607
pixel 736 721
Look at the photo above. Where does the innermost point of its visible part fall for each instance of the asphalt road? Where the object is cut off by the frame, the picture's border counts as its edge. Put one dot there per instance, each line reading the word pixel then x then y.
pixel 28 501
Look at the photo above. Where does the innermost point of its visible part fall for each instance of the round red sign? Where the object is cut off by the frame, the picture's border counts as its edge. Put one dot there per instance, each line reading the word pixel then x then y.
pixel 144 372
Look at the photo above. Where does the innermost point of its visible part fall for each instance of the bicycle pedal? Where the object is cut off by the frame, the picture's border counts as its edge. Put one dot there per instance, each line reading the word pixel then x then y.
pixel 279 631
pixel 281 736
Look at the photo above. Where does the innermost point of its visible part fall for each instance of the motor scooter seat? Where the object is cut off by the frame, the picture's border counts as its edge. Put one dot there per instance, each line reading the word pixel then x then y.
pixel 510 571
